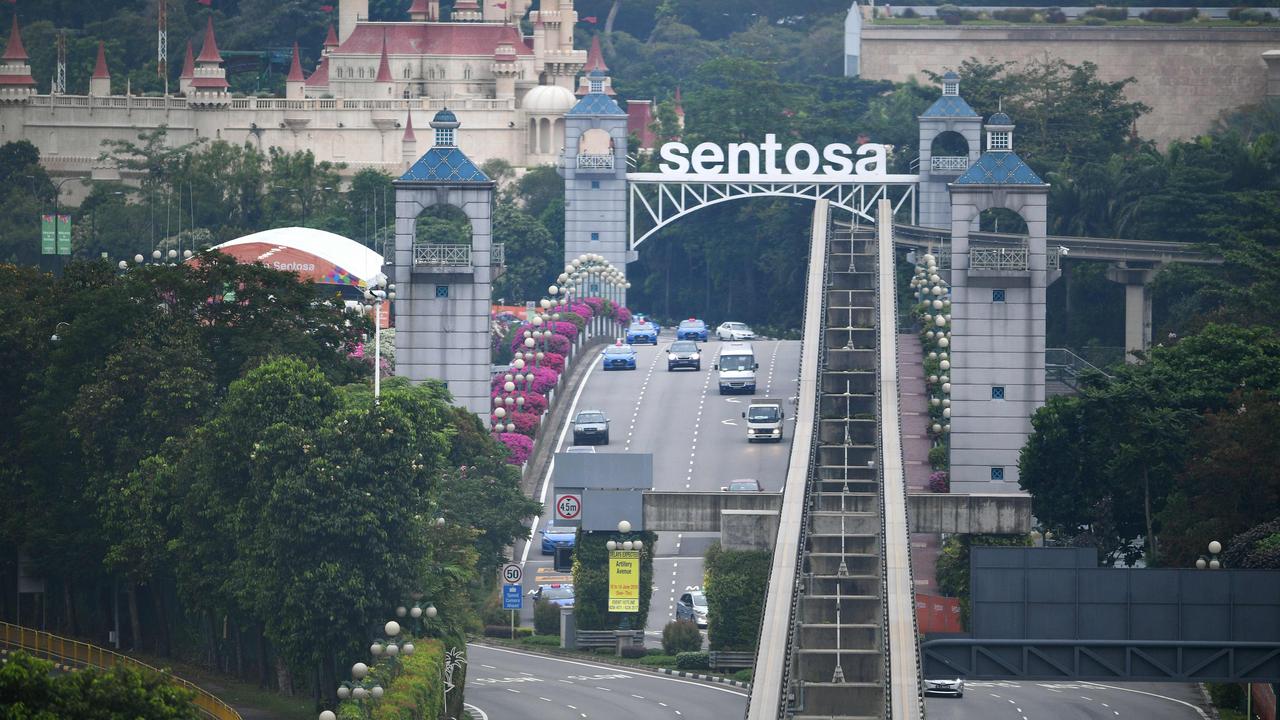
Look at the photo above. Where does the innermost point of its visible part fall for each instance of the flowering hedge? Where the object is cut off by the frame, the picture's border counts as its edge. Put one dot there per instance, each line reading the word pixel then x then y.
pixel 623 316
pixel 535 403
pixel 940 482
pixel 567 329
pixel 596 304
pixel 573 318
pixel 526 423
pixel 558 344
pixel 544 379
pixel 555 361
pixel 519 447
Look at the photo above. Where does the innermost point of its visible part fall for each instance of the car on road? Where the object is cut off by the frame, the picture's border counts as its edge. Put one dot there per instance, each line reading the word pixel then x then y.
pixel 764 420
pixel 737 368
pixel 556 593
pixel 554 536
pixel 944 686
pixel 590 427
pixel 684 353
pixel 692 329
pixel 743 485
pixel 618 357
pixel 642 331
pixel 693 607
pixel 735 331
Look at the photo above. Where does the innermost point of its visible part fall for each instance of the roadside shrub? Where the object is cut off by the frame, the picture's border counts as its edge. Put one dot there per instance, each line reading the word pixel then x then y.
pixel 561 327
pixel 542 640
pixel 938 457
pixel 546 618
pixel 1226 696
pixel 693 661
pixel 557 344
pixel 1094 21
pixel 623 316
pixel 743 675
pixel 1020 15
pixel 497 631
pixel 526 423
pixel 634 652
pixel 555 361
pixel 940 482
pixel 1248 14
pixel 1055 16
pixel 735 585
pixel 950 14
pixel 544 378
pixel 1114 14
pixel 417 686
pixel 519 447
pixel 491 613
pixel 659 660
pixel 523 632
pixel 604 651
pixel 1170 15
pixel 681 636
pixel 909 14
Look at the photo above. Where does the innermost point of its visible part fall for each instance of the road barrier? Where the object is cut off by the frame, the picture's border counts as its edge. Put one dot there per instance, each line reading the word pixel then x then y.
pixel 76 654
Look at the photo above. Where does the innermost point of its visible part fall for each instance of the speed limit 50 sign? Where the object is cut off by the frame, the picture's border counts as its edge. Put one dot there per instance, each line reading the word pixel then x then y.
pixel 568 506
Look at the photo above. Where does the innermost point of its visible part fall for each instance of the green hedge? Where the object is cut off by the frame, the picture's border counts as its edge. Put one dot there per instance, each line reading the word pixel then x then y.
pixel 693 661
pixel 546 618
pixel 735 587
pixel 417 693
pixel 591 582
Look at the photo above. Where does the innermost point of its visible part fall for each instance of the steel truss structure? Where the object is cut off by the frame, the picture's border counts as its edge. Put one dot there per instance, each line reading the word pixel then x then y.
pixel 656 200
pixel 1150 660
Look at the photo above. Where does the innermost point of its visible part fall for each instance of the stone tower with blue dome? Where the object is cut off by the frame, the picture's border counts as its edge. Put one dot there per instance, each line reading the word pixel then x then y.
pixel 442 288
pixel 998 317
pixel 594 167
pixel 950 141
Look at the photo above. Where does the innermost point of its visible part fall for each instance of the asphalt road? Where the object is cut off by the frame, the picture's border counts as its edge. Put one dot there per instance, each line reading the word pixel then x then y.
pixel 698 441
pixel 509 685
pixel 1068 701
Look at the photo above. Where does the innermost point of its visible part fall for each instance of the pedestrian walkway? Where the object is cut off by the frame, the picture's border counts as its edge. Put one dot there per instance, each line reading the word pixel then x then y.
pixel 914 406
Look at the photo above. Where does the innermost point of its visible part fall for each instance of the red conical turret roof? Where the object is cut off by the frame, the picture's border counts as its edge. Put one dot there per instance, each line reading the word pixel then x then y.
pixel 331 40
pixel 100 68
pixel 188 65
pixel 595 58
pixel 295 70
pixel 209 51
pixel 320 78
pixel 384 65
pixel 14 50
pixel 408 129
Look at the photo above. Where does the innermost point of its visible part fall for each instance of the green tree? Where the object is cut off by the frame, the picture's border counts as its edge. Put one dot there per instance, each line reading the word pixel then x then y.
pixel 30 691
pixel 533 257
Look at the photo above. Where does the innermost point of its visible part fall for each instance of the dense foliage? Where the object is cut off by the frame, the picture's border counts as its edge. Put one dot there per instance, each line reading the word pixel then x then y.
pixel 1166 455
pixel 30 690
pixel 952 566
pixel 591 581
pixel 199 436
pixel 735 586
pixel 680 636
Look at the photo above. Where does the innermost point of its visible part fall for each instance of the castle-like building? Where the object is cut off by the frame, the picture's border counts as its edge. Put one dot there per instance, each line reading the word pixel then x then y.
pixel 372 84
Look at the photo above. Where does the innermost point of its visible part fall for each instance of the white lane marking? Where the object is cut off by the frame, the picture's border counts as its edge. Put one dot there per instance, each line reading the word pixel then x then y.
pixel 542 698
pixel 1150 694
pixel 546 479
pixel 663 678
pixel 571 707
pixel 1082 697
pixel 480 714
pixel 662 704
pixel 603 688
pixel 513 690
pixel 728 422
pixel 526 673
pixel 566 682
pixel 638 697
pixel 490 667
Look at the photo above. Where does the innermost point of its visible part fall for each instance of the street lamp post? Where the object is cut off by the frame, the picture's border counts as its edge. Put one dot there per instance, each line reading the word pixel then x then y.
pixel 1211 562
pixel 378 292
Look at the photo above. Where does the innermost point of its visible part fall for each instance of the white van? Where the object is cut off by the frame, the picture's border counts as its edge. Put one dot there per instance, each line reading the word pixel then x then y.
pixel 737 367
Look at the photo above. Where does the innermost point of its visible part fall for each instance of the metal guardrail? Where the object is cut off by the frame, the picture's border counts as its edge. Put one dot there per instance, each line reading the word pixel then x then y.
pixel 1066 367
pixel 595 162
pixel 444 256
pixel 904 698
pixel 769 693
pixel 76 653
pixel 1083 248
pixel 949 163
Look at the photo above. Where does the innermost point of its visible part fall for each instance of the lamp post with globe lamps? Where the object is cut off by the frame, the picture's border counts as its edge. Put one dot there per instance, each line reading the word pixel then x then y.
pixel 1211 562
pixel 378 292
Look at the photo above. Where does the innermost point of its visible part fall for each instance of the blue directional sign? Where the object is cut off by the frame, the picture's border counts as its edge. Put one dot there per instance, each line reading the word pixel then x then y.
pixel 512 599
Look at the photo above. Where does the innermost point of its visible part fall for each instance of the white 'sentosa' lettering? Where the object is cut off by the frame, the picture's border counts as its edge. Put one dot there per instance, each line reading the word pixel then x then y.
pixel 752 159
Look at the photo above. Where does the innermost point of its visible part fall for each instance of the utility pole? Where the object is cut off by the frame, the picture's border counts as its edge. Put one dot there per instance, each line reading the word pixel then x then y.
pixel 60 69
pixel 162 43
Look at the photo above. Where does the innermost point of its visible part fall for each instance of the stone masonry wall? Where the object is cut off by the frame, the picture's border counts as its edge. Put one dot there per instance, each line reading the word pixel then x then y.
pixel 1187 76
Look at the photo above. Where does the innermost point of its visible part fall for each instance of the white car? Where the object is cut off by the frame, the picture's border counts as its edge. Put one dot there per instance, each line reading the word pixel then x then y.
pixel 944 686
pixel 735 331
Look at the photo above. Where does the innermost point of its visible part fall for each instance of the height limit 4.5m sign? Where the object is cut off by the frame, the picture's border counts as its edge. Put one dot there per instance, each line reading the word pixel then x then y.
pixel 568 506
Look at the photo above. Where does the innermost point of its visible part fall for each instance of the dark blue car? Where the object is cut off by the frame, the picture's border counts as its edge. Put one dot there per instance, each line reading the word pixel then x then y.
pixel 692 329
pixel 554 536
pixel 619 357
pixel 642 331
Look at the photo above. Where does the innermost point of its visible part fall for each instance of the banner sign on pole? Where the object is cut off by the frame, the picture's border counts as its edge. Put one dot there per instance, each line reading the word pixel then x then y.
pixel 624 581
pixel 511 598
pixel 47 246
pixel 64 234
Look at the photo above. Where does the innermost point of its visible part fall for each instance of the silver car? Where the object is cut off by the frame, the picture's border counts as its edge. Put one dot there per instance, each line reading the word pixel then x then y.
pixel 693 607
pixel 590 427
pixel 944 686
pixel 735 331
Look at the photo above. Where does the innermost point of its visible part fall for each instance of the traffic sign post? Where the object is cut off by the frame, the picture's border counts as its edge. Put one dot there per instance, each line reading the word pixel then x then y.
pixel 512 600
pixel 512 574
pixel 568 506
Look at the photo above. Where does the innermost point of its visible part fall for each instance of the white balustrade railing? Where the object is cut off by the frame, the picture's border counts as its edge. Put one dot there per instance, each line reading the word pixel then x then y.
pixel 949 163
pixel 442 256
pixel 998 258
pixel 595 162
